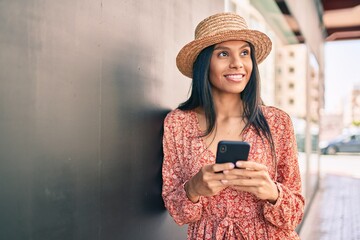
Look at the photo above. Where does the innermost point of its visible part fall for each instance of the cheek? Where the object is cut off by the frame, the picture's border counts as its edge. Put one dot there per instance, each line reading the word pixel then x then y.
pixel 214 73
pixel 249 65
pixel 249 71
pixel 213 78
pixel 212 68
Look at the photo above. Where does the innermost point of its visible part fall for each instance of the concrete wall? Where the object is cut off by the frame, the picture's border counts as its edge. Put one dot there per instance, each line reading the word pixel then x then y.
pixel 84 88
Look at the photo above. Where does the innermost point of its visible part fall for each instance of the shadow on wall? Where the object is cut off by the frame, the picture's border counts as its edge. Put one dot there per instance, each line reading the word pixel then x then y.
pixel 131 148
pixel 151 190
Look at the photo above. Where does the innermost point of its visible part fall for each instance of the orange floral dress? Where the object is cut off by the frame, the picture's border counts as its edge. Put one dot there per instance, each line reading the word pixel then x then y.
pixel 232 214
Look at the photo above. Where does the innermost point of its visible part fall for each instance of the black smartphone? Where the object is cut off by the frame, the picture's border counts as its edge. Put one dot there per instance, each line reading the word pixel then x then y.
pixel 232 151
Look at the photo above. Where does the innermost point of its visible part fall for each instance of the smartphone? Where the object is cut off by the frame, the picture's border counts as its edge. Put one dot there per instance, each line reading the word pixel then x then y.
pixel 232 151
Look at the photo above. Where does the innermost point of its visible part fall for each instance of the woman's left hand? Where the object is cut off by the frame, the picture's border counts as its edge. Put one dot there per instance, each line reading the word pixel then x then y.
pixel 254 178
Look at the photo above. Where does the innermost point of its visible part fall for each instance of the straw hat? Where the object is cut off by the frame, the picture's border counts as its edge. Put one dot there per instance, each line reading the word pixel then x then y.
pixel 219 28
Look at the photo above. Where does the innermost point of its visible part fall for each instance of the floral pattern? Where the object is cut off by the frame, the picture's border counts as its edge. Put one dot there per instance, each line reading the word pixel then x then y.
pixel 232 214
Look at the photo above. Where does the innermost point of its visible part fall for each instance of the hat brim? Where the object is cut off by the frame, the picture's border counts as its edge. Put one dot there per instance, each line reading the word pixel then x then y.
pixel 188 54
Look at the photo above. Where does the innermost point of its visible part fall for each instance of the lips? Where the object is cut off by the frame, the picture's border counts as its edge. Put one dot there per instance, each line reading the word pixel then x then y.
pixel 235 77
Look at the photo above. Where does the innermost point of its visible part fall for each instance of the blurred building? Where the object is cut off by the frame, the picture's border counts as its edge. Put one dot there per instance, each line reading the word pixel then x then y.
pixel 291 73
pixel 355 105
pixel 293 66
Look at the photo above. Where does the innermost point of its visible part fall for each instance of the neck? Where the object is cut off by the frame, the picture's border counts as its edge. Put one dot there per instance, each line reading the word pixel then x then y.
pixel 228 105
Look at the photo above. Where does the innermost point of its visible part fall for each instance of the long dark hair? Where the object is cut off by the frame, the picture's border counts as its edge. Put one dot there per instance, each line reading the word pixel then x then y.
pixel 201 96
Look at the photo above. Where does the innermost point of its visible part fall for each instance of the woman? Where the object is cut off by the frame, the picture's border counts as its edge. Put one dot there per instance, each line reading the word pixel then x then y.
pixel 256 199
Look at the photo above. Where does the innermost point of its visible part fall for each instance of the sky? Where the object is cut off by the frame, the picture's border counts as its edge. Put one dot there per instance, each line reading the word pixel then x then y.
pixel 342 72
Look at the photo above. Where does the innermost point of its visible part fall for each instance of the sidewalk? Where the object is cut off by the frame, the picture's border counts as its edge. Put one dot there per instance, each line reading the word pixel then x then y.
pixel 335 211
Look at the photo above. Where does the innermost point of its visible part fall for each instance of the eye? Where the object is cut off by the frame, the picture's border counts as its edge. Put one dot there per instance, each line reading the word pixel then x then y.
pixel 223 54
pixel 245 52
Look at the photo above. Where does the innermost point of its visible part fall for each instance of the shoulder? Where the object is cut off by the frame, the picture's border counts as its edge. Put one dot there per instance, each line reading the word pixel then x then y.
pixel 275 115
pixel 180 123
pixel 177 118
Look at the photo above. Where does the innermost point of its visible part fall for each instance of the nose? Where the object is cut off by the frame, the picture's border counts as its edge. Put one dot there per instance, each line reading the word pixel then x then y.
pixel 236 62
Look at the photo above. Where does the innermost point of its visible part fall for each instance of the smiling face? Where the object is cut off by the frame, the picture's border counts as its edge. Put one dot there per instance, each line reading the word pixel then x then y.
pixel 230 67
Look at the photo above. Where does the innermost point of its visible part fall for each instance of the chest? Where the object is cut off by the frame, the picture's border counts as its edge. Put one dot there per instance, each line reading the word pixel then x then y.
pixel 227 130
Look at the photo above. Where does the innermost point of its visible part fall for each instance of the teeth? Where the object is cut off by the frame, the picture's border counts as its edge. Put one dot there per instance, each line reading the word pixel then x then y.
pixel 235 76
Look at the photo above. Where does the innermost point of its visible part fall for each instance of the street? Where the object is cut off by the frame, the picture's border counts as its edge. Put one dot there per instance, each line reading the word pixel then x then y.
pixel 334 213
pixel 340 164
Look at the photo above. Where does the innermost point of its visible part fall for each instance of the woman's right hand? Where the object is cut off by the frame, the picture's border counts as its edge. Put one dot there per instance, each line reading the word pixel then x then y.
pixel 209 181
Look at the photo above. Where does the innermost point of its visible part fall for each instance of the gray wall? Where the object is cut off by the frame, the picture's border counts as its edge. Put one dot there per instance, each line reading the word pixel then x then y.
pixel 84 88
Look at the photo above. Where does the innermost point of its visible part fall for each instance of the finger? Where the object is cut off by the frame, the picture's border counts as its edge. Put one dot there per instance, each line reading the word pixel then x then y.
pixel 251 165
pixel 219 176
pixel 248 173
pixel 243 182
pixel 259 192
pixel 244 189
pixel 220 167
pixel 226 177
pixel 215 172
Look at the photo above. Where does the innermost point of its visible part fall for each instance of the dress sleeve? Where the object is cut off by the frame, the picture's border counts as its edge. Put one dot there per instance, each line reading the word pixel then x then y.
pixel 288 210
pixel 179 206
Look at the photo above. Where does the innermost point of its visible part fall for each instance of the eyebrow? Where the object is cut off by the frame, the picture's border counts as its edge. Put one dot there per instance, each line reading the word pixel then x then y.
pixel 224 47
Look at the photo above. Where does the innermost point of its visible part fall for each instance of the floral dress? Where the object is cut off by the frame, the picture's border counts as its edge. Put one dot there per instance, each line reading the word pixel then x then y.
pixel 232 214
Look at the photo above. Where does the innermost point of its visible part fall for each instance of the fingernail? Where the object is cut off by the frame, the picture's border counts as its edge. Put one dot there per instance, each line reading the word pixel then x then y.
pixel 224 181
pixel 232 165
pixel 238 164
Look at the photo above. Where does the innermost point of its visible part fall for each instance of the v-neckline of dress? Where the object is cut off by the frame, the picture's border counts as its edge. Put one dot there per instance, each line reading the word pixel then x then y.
pixel 199 132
